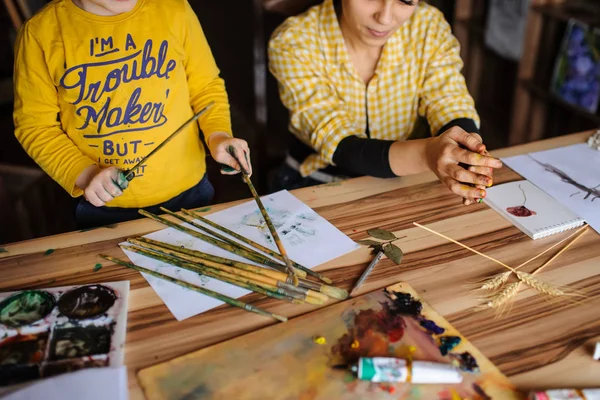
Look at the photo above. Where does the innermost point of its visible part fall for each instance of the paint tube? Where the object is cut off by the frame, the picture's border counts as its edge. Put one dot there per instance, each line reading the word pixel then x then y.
pixel 566 394
pixel 387 369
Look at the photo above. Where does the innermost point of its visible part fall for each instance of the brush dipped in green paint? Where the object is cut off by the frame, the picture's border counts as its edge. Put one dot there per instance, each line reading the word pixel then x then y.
pixel 226 299
pixel 265 214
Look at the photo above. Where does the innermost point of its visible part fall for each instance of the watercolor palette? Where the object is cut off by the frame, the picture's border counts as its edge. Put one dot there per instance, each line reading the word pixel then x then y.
pixel 308 357
pixel 47 332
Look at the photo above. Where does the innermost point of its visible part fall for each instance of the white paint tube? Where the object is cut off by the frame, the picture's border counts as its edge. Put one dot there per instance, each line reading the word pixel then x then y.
pixel 566 394
pixel 387 369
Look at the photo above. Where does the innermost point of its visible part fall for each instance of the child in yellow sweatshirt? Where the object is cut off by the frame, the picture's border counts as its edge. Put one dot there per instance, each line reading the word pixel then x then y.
pixel 100 83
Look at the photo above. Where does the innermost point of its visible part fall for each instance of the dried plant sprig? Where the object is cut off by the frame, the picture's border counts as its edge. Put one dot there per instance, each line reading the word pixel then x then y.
pixel 392 251
pixel 496 281
pixel 539 285
pixel 501 298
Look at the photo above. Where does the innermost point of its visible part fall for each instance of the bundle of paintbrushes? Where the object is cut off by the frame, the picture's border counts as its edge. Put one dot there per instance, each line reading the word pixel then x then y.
pixel 267 276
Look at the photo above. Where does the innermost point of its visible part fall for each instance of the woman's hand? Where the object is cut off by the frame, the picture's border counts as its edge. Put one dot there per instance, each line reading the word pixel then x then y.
pixel 444 153
pixel 219 143
pixel 101 185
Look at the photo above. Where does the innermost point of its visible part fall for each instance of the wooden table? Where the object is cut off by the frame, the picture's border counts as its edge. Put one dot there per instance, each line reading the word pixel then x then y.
pixel 538 344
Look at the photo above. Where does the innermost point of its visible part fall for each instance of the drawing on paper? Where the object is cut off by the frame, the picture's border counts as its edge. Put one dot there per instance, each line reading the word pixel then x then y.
pixel 292 227
pixel 587 192
pixel 522 210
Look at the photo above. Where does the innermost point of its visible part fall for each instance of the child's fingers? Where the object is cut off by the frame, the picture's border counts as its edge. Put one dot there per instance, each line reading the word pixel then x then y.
pixel 112 189
pixel 242 155
pixel 229 161
pixel 93 198
pixel 103 194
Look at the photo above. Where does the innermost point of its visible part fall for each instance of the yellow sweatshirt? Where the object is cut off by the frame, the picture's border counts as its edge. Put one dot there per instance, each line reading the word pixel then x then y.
pixel 103 90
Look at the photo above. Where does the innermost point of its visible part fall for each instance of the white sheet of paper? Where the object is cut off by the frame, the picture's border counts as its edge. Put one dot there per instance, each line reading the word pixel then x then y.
pixel 578 162
pixel 309 239
pixel 88 384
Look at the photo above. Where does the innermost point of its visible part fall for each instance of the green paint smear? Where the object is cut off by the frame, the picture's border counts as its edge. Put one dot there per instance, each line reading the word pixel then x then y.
pixel 3 250
pixel 25 308
pixel 87 229
pixel 48 252
pixel 349 378
pixel 205 209
pixel 333 184
pixel 97 267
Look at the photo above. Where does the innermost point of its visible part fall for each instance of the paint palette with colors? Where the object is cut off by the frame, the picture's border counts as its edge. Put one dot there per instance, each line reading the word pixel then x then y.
pixel 46 332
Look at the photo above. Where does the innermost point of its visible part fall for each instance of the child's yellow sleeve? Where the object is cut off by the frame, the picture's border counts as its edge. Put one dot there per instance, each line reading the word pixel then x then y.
pixel 204 82
pixel 37 116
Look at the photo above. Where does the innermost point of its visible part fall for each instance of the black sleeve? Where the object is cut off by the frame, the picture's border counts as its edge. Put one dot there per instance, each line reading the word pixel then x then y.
pixel 364 156
pixel 371 157
pixel 467 124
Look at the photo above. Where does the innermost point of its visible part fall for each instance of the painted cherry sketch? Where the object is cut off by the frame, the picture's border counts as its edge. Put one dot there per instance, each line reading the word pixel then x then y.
pixel 521 211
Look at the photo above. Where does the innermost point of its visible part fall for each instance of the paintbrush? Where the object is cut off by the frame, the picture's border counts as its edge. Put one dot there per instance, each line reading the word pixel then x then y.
pixel 265 214
pixel 230 273
pixel 190 220
pixel 197 262
pixel 236 280
pixel 254 244
pixel 330 291
pixel 202 257
pixel 242 252
pixel 226 299
pixel 130 173
pixel 367 271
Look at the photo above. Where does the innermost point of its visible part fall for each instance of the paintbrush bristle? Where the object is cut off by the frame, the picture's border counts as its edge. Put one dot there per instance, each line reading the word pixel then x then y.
pixel 334 292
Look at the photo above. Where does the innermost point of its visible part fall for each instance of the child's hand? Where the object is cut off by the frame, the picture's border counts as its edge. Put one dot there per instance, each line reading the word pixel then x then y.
pixel 219 142
pixel 444 154
pixel 104 185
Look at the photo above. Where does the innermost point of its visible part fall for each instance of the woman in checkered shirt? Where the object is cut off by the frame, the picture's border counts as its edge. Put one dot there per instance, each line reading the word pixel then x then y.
pixel 359 78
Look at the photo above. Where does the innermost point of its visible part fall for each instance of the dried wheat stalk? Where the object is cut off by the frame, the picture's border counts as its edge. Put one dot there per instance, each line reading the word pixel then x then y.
pixel 496 281
pixel 502 296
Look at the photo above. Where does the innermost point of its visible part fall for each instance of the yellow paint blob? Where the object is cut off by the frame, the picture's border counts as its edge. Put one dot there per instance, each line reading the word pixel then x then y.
pixel 355 344
pixel 319 340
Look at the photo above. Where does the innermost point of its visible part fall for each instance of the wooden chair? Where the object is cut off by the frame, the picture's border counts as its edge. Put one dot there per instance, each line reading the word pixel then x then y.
pixel 20 11
pixel 32 205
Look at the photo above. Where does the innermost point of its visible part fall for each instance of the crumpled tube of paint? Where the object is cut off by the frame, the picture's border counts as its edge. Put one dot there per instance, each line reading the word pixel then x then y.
pixel 388 369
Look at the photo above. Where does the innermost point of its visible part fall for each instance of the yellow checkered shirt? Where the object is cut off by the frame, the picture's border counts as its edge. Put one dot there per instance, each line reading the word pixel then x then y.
pixel 418 74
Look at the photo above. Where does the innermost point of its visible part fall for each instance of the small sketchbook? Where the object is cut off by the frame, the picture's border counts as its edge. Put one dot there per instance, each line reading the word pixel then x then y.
pixel 531 210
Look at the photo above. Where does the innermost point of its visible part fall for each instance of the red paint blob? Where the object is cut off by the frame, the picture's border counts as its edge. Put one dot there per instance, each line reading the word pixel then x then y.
pixel 520 211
